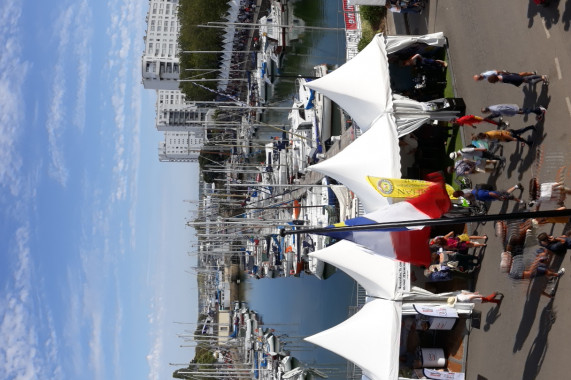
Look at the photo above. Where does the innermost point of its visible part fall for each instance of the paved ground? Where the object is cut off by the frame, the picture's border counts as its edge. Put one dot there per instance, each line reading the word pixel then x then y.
pixel 527 337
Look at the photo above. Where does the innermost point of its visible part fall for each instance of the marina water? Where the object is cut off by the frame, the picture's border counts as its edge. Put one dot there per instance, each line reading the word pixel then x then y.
pixel 300 307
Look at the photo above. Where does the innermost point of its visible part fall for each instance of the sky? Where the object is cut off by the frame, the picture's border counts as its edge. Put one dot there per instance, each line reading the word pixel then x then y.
pixel 94 268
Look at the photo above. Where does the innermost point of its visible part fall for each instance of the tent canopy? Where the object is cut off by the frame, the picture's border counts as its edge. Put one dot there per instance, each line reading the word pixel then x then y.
pixel 377 274
pixel 362 85
pixel 375 153
pixel 370 339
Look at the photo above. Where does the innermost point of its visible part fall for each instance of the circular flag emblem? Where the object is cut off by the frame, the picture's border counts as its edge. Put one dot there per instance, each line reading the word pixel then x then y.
pixel 385 186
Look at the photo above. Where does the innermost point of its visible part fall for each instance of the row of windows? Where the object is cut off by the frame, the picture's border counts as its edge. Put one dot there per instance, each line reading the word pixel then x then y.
pixel 179 96
pixel 162 7
pixel 188 141
pixel 158 26
pixel 182 116
pixel 163 49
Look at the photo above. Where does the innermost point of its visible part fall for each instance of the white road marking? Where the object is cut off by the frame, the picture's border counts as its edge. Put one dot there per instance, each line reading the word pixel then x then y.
pixel 548 35
pixel 558 67
pixel 568 101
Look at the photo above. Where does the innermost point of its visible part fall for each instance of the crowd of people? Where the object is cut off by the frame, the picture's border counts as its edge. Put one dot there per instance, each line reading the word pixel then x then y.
pixel 450 252
pixel 478 157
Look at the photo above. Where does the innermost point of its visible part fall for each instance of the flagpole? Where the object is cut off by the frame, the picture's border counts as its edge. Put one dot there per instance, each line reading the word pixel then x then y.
pixel 433 222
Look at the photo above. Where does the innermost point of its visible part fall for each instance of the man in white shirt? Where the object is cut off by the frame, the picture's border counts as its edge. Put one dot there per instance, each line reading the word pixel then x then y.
pixel 499 110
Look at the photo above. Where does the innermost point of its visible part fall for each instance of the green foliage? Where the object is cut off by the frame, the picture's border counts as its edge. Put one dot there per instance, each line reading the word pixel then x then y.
pixel 372 14
pixel 207 157
pixel 192 13
pixel 366 37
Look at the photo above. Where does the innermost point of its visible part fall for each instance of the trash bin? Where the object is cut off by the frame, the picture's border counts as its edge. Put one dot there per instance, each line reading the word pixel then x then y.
pixel 433 357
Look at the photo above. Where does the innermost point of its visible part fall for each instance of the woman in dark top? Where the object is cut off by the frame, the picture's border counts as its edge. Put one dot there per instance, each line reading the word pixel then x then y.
pixel 517 79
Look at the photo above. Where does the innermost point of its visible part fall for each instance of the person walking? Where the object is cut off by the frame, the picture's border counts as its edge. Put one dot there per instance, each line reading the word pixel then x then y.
pixel 456 243
pixel 486 195
pixel 466 167
pixel 517 79
pixel 489 73
pixel 506 135
pixel 419 60
pixel 471 120
pixel 539 266
pixel 476 154
pixel 476 297
pixel 500 110
pixel 395 7
pixel 558 245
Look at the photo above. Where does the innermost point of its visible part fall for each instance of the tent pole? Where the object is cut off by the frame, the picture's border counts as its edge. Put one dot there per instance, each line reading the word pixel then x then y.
pixel 434 222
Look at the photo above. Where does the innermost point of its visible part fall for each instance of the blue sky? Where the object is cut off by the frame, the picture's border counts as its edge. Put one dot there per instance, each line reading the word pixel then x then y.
pixel 93 242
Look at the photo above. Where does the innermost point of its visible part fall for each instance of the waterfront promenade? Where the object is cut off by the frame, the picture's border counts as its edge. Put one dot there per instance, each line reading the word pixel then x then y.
pixel 527 337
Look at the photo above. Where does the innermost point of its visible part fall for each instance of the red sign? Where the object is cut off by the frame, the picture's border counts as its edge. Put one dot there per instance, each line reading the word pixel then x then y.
pixel 350 18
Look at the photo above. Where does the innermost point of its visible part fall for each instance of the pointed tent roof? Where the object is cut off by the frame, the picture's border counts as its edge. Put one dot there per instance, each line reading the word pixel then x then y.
pixel 362 86
pixel 375 153
pixel 376 273
pixel 370 339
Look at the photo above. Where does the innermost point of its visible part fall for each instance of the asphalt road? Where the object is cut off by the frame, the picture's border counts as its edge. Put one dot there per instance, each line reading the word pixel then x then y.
pixel 527 337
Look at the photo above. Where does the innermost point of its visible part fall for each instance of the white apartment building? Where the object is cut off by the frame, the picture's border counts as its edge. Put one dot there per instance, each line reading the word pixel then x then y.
pixel 160 64
pixel 175 114
pixel 180 147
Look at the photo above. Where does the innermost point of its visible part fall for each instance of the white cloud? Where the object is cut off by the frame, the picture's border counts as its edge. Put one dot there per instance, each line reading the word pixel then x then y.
pixel 96 359
pixel 155 358
pixel 93 287
pixel 118 329
pixel 157 317
pixel 22 353
pixel 83 41
pixel 73 37
pixel 56 115
pixel 13 71
pixel 73 325
pixel 126 26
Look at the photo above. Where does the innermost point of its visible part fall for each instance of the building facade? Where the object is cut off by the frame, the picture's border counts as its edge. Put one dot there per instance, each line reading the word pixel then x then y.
pixel 175 114
pixel 160 63
pixel 181 147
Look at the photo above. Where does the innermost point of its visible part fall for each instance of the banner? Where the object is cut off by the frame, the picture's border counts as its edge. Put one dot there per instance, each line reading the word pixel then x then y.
pixel 350 17
pixel 402 188
pixel 432 310
pixel 435 374
pixel 402 243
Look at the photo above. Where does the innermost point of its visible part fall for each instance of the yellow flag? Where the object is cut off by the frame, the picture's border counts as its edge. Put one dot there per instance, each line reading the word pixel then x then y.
pixel 402 188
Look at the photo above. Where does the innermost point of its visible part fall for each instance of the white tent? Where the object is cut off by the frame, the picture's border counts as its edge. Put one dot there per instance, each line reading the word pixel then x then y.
pixel 377 274
pixel 370 339
pixel 375 153
pixel 362 86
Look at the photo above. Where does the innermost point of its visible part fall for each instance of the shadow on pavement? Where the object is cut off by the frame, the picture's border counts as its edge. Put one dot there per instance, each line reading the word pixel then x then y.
pixel 492 316
pixel 529 312
pixel 550 13
pixel 538 349
pixel 566 17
